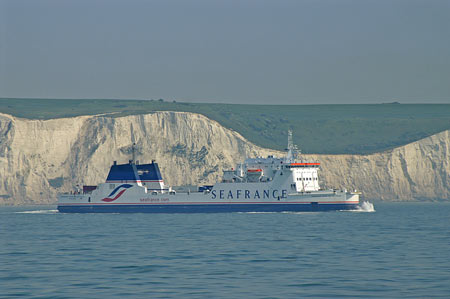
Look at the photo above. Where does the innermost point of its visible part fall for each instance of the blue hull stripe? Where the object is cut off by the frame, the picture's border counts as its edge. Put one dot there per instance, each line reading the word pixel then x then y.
pixel 205 208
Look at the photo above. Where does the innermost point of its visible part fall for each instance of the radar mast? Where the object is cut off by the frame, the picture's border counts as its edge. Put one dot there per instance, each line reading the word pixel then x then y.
pixel 292 149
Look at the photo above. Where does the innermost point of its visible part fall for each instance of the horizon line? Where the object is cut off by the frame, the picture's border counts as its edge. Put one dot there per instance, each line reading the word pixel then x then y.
pixel 393 102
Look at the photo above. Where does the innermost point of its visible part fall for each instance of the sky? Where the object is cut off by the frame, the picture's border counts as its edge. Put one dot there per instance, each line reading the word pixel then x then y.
pixel 230 51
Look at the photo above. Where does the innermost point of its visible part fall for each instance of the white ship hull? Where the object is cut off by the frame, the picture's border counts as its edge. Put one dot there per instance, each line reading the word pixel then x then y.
pixel 257 200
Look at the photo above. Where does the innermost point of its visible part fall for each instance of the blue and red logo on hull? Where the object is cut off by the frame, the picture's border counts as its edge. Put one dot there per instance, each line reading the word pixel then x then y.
pixel 124 188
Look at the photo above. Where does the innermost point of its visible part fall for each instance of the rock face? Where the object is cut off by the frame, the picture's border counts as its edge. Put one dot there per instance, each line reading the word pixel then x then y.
pixel 419 170
pixel 39 158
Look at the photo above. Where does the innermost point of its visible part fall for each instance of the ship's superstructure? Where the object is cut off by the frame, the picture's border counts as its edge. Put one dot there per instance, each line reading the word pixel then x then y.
pixel 256 185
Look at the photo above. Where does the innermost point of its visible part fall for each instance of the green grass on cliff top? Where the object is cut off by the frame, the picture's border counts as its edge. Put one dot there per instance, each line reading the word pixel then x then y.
pixel 325 129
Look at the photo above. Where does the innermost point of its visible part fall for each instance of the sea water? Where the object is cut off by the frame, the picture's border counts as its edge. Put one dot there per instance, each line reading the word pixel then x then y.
pixel 397 250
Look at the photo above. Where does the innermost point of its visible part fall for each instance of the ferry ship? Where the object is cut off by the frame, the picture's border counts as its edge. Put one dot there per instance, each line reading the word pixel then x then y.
pixel 258 184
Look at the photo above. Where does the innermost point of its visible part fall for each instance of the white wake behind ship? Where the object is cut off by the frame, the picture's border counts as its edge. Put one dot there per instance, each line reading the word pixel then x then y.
pixel 257 185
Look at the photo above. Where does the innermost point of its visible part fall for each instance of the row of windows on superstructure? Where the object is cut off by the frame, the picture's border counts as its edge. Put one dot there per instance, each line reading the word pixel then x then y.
pixel 307 179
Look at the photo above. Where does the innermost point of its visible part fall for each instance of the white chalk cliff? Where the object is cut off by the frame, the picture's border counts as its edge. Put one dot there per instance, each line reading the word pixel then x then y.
pixel 39 158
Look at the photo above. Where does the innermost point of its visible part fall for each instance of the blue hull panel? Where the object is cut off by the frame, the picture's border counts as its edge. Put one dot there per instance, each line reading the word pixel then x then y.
pixel 204 208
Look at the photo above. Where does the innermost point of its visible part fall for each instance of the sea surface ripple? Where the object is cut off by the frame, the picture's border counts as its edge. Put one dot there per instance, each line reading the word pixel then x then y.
pixel 400 251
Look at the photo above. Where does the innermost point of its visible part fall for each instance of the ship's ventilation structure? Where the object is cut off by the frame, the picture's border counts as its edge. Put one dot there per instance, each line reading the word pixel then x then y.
pixel 144 175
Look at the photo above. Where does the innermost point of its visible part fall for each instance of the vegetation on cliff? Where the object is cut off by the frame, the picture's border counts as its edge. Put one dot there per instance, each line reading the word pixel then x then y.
pixel 322 129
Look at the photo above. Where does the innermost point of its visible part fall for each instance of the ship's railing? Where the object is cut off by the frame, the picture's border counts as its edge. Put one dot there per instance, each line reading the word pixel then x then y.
pixel 303 165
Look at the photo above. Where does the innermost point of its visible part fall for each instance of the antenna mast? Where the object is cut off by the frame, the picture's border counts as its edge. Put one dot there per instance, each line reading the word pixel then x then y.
pixel 133 152
pixel 290 148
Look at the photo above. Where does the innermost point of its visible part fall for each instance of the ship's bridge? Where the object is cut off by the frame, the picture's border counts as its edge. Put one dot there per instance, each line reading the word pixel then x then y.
pixel 302 175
